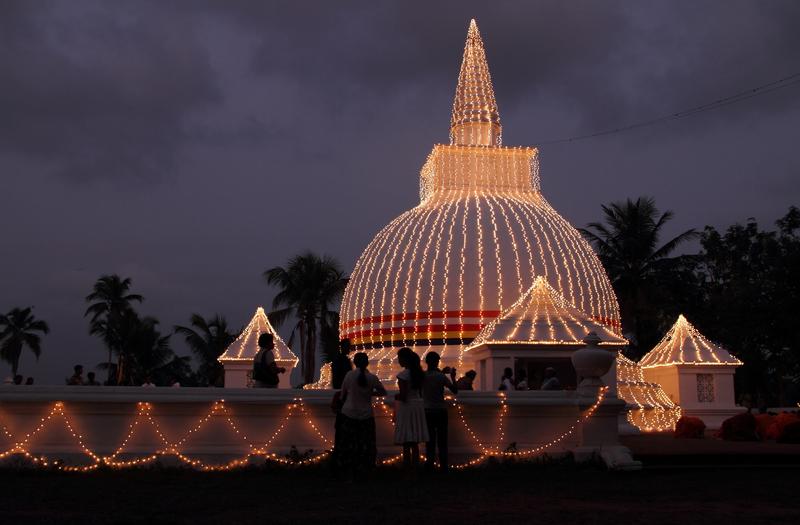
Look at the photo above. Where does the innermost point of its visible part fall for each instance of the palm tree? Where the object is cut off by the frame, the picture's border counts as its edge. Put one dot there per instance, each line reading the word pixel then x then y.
pixel 18 330
pixel 628 245
pixel 143 350
pixel 110 301
pixel 208 339
pixel 310 288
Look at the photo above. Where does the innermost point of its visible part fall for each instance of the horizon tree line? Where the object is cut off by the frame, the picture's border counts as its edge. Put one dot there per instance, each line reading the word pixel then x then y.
pixel 740 289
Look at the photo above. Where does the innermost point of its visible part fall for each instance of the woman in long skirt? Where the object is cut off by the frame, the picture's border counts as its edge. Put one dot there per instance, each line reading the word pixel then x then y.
pixel 410 427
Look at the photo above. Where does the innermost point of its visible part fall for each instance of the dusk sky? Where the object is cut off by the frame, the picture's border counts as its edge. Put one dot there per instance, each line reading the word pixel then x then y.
pixel 192 145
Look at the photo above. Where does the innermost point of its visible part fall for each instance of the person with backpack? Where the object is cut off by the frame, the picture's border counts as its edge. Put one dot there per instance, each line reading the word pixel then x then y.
pixel 265 370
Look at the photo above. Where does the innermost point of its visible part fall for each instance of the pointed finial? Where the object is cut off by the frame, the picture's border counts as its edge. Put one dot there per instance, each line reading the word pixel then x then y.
pixel 475 120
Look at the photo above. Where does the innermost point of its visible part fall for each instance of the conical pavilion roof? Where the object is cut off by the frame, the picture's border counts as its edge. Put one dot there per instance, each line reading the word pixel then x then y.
pixel 542 316
pixel 685 345
pixel 475 119
pixel 245 347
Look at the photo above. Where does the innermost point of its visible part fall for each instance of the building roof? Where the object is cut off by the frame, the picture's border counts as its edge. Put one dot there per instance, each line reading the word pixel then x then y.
pixel 543 316
pixel 245 347
pixel 683 344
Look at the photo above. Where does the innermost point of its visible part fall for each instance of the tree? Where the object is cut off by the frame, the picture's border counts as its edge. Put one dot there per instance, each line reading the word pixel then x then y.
pixel 310 287
pixel 640 270
pixel 110 302
pixel 143 351
pixel 208 339
pixel 751 281
pixel 329 337
pixel 18 330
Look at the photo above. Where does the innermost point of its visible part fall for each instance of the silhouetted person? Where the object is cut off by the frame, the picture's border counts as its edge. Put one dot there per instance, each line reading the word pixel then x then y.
pixel 148 382
pixel 357 423
pixel 77 377
pixel 18 379
pixel 436 409
pixel 522 380
pixel 550 382
pixel 340 366
pixel 507 381
pixel 466 381
pixel 90 380
pixel 265 370
pixel 29 381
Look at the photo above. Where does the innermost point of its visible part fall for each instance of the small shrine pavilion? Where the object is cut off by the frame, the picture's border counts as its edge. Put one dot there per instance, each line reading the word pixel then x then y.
pixel 238 357
pixel 696 373
pixel 541 329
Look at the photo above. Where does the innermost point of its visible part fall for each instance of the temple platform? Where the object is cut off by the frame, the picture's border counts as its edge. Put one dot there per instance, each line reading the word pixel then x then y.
pixel 208 427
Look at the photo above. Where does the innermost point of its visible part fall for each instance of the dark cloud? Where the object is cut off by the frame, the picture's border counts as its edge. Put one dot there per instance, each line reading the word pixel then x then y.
pixel 215 139
pixel 101 91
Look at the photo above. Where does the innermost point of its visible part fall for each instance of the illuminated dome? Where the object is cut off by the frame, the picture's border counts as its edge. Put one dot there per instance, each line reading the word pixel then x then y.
pixel 482 233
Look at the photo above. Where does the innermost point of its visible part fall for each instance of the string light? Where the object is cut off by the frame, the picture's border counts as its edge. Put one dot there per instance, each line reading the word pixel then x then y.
pixel 475 118
pixel 683 344
pixel 650 408
pixel 218 409
pixel 488 452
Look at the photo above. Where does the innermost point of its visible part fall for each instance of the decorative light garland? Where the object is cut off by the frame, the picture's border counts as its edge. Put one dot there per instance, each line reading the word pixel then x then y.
pixel 218 408
pixel 488 452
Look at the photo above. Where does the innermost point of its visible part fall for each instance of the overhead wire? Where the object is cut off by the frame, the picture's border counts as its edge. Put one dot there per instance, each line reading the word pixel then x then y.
pixel 763 89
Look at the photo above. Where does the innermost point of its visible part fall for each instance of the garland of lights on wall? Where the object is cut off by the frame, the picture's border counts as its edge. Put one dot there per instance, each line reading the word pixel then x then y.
pixel 218 409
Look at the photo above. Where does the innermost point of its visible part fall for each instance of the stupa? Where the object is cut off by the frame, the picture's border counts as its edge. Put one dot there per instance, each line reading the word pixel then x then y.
pixel 435 276
pixel 694 372
pixel 238 357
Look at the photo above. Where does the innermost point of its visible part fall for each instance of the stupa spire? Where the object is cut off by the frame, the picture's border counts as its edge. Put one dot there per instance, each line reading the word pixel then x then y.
pixel 475 120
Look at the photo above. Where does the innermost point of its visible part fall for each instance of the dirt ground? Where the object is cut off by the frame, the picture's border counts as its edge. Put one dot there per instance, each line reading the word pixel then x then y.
pixel 508 494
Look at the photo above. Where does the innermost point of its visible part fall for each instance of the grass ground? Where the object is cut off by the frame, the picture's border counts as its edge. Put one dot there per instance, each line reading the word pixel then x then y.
pixel 508 494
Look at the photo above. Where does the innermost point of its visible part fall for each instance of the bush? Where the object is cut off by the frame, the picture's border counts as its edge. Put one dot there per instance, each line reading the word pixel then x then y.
pixel 790 433
pixel 741 427
pixel 779 422
pixel 763 423
pixel 690 427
